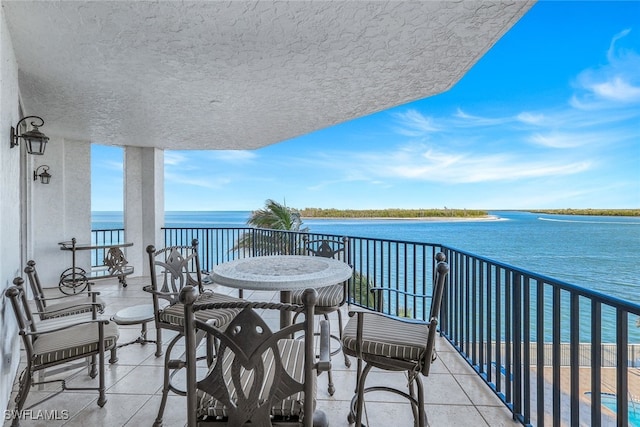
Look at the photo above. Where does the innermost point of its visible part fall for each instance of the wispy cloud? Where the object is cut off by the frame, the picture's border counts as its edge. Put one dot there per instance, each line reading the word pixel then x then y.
pixel 563 140
pixel 412 123
pixel 616 83
pixel 234 156
pixel 209 182
pixel 172 158
pixel 531 118
pixel 439 166
pixel 467 119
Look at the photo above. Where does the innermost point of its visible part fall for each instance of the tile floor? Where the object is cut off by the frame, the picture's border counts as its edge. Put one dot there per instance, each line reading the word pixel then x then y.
pixel 455 395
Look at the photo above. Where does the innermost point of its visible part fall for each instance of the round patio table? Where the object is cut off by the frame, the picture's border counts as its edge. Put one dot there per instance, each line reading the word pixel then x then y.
pixel 283 273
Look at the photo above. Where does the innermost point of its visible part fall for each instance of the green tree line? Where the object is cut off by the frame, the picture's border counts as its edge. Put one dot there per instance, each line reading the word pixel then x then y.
pixel 391 213
pixel 601 212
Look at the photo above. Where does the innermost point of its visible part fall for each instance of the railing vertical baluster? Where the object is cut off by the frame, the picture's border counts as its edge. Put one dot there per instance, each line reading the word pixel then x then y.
pixel 508 324
pixel 622 363
pixel 596 363
pixel 526 356
pixel 555 359
pixel 574 355
pixel 517 343
pixel 498 326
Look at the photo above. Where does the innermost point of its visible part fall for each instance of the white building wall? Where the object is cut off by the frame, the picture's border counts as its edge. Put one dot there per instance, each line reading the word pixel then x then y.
pixel 62 209
pixel 10 182
pixel 34 217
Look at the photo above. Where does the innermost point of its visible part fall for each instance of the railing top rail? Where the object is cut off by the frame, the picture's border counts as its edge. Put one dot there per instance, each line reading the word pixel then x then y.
pixel 408 242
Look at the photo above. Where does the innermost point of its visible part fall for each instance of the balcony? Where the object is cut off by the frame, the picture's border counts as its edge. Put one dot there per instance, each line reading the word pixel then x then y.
pixel 515 347
pixel 134 384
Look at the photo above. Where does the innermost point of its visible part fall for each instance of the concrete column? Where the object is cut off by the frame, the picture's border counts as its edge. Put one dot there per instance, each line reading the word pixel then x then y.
pixel 143 203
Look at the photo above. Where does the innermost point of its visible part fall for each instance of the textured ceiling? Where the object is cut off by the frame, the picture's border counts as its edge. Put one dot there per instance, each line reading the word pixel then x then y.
pixel 238 75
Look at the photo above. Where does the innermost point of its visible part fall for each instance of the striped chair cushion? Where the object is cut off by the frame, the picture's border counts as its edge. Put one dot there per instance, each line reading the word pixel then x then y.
pixel 328 296
pixel 174 314
pixel 69 308
pixel 383 336
pixel 73 342
pixel 292 353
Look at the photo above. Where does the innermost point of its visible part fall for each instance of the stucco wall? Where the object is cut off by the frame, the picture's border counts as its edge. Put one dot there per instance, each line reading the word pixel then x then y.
pixel 10 182
pixel 62 209
pixel 34 217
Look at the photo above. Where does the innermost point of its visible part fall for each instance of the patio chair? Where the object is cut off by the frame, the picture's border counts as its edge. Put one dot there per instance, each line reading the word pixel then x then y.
pixel 49 306
pixel 176 267
pixel 395 344
pixel 260 377
pixel 330 298
pixel 62 345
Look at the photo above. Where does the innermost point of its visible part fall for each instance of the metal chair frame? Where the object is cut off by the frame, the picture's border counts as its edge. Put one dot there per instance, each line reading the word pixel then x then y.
pixel 49 306
pixel 413 367
pixel 246 340
pixel 30 334
pixel 179 267
pixel 339 249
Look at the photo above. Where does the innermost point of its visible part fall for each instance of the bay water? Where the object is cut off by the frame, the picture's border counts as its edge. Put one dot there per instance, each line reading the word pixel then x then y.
pixel 601 253
pixel 596 252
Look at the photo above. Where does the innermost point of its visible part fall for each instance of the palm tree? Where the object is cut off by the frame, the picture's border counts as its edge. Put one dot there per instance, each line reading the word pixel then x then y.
pixel 274 216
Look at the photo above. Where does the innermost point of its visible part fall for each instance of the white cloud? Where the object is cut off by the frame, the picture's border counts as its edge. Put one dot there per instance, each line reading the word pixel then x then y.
pixel 209 182
pixel 617 89
pixel 558 140
pixel 233 156
pixel 429 164
pixel 530 118
pixel 413 123
pixel 174 158
pixel 616 83
pixel 472 120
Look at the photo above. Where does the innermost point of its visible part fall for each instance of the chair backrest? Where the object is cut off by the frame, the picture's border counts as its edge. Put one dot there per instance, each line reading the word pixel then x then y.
pixel 36 287
pixel 337 248
pixel 251 354
pixel 115 261
pixel 439 283
pixel 24 317
pixel 176 267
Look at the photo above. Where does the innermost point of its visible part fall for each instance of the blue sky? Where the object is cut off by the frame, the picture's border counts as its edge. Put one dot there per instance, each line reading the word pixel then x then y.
pixel 548 118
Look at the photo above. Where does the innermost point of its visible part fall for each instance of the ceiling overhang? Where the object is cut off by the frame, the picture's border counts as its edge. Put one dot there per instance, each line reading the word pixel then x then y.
pixel 238 75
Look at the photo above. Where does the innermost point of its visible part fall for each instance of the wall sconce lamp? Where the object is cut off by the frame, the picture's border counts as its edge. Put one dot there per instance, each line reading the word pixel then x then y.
pixel 45 176
pixel 36 141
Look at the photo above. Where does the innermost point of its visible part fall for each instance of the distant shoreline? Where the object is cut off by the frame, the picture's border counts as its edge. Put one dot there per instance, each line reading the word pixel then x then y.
pixel 426 219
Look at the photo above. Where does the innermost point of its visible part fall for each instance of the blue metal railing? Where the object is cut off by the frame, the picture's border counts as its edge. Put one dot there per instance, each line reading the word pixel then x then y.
pixel 548 349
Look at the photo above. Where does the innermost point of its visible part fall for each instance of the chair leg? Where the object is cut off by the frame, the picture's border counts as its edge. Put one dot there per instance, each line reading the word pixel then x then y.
pixel 102 399
pixel 92 367
pixel 347 361
pixel 360 395
pixel 166 387
pixel 158 341
pixel 23 391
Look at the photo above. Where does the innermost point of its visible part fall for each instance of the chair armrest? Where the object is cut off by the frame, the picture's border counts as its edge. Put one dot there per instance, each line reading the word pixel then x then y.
pixel 160 293
pixel 70 325
pixel 62 297
pixel 53 311
pixel 398 291
pixel 324 363
pixel 360 312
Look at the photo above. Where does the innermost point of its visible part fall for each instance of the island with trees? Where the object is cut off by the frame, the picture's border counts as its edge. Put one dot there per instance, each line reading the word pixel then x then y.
pixel 596 212
pixel 392 213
